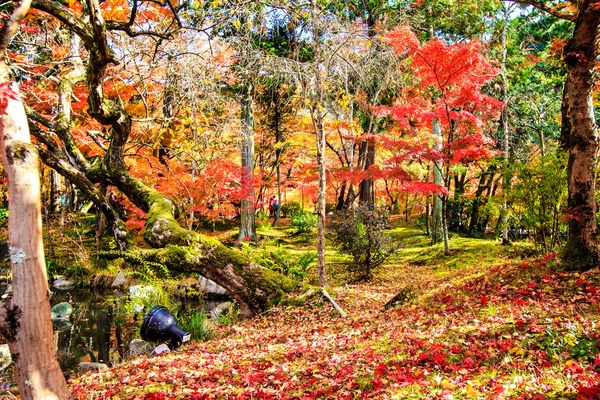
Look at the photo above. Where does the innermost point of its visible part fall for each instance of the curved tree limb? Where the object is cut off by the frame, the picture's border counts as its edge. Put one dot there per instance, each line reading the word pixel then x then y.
pixel 541 5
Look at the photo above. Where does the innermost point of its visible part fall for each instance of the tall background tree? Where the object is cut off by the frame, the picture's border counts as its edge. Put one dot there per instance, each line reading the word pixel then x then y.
pixel 579 132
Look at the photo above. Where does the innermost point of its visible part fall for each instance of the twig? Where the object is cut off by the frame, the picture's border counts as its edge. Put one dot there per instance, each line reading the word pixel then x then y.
pixel 333 303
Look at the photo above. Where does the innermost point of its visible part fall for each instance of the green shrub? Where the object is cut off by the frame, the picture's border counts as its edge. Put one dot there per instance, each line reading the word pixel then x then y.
pixel 358 232
pixel 51 267
pixel 197 324
pixel 304 222
pixel 3 215
pixel 288 210
pixel 538 198
pixel 284 262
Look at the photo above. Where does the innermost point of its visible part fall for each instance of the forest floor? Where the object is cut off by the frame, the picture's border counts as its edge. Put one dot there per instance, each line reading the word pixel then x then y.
pixel 482 323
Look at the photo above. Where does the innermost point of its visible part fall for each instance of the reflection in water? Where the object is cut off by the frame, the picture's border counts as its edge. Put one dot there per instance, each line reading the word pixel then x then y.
pixel 97 331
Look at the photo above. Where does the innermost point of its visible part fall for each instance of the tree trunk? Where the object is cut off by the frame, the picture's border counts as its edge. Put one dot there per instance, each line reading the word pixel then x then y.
pixel 504 117
pixel 485 183
pixel 580 140
pixel 56 191
pixel 366 190
pixel 247 214
pixel 26 325
pixel 25 322
pixel 318 121
pixel 437 228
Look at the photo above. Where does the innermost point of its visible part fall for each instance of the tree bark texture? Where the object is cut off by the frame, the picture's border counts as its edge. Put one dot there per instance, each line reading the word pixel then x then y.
pixel 580 139
pixel 247 212
pixel 27 326
pixel 437 228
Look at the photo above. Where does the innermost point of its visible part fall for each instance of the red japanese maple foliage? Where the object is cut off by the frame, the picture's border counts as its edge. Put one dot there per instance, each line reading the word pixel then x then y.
pixel 450 79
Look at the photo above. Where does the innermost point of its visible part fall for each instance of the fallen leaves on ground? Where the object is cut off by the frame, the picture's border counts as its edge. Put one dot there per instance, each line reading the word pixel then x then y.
pixel 519 330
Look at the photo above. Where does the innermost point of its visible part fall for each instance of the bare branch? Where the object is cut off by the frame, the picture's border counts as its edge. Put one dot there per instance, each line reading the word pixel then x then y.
pixel 10 27
pixel 549 9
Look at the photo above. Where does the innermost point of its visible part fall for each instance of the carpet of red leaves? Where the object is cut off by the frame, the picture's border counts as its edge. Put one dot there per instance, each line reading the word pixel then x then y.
pixel 518 331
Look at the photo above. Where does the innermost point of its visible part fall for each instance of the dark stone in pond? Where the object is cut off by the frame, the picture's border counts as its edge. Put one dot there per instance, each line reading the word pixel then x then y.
pixel 84 367
pixel 138 347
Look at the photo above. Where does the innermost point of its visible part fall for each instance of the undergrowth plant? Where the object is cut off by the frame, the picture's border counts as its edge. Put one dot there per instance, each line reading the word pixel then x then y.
pixel 304 222
pixel 283 261
pixel 197 324
pixel 358 232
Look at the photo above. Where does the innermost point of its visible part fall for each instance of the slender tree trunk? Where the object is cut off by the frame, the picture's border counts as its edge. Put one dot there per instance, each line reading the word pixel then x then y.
pixel 56 191
pixel 366 190
pixel 247 220
pixel 318 121
pixel 437 228
pixel 25 322
pixel 580 139
pixel 102 222
pixel 445 226
pixel 485 183
pixel 504 118
pixel 278 151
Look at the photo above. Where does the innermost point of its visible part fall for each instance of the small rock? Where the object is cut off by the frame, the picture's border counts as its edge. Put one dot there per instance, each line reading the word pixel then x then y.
pixel 162 348
pixel 211 288
pixel 215 312
pixel 5 357
pixel 84 367
pixel 120 280
pixel 61 283
pixel 138 347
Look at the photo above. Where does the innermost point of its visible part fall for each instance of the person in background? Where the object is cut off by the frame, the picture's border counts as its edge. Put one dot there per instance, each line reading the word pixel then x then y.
pixel 271 207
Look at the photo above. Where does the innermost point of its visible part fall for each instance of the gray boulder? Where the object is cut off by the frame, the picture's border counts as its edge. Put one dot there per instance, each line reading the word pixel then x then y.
pixel 60 283
pixel 212 288
pixel 84 367
pixel 120 280
pixel 215 312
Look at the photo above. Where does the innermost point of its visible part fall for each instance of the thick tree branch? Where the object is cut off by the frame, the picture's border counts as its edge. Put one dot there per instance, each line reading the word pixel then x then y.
pixel 65 16
pixel 547 8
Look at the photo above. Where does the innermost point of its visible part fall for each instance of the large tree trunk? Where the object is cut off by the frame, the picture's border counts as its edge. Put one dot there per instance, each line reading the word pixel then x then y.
pixel 580 139
pixel 247 213
pixel 25 322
